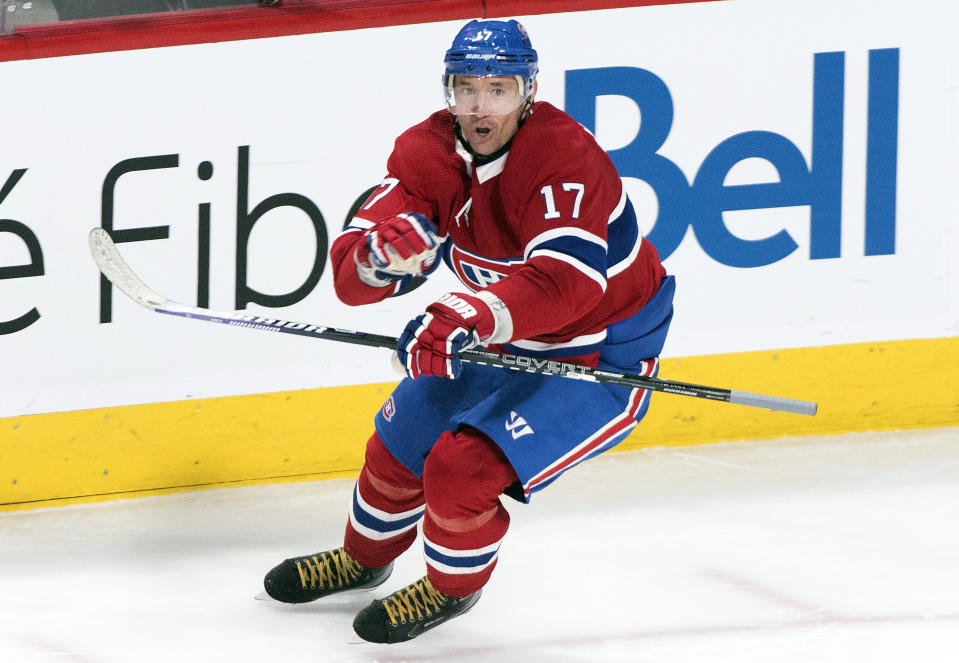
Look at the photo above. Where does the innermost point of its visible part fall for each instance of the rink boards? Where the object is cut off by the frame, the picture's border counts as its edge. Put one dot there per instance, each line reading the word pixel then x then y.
pixel 301 435
pixel 796 173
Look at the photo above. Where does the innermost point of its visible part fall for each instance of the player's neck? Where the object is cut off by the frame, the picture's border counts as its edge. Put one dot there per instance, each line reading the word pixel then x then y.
pixel 480 159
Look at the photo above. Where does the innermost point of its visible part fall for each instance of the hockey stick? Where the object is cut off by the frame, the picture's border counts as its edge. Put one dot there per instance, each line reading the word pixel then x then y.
pixel 118 272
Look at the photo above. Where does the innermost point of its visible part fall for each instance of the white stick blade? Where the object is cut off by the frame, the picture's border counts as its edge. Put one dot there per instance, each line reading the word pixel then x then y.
pixel 118 272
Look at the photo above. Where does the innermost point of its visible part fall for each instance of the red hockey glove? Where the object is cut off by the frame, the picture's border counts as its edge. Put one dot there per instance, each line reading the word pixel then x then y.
pixel 432 341
pixel 405 245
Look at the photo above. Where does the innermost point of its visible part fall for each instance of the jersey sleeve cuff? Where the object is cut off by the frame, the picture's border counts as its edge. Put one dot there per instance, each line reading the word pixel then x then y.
pixel 503 321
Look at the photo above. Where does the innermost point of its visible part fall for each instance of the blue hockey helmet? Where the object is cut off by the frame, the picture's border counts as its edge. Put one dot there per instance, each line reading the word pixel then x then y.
pixel 492 48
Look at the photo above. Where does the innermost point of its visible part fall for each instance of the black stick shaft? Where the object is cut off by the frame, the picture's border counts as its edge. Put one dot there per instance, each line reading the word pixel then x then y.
pixel 118 272
pixel 511 362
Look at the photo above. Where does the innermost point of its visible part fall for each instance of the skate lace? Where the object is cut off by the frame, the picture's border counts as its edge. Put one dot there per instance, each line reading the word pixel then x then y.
pixel 327 570
pixel 414 602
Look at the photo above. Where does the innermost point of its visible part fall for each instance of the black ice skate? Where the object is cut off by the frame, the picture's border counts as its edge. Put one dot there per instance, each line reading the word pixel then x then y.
pixel 303 579
pixel 408 612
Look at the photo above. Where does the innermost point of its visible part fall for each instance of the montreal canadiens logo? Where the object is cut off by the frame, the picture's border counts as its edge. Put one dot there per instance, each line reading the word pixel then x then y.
pixel 389 409
pixel 478 272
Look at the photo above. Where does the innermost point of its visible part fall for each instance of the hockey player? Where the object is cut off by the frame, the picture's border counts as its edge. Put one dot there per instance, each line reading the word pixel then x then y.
pixel 529 212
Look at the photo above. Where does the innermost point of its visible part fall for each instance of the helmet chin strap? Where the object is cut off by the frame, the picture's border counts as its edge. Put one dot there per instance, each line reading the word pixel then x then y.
pixel 527 110
pixel 480 159
pixel 483 158
pixel 462 139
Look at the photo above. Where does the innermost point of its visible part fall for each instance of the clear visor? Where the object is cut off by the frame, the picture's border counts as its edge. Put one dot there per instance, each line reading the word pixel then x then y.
pixel 484 95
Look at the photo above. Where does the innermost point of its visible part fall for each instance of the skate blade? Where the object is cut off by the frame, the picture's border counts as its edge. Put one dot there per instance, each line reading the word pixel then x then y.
pixel 263 596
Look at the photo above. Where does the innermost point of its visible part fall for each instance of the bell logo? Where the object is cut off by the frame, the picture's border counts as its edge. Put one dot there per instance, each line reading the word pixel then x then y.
pixel 816 183
pixel 518 426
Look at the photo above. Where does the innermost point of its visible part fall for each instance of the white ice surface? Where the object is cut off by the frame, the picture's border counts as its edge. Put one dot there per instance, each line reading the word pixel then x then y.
pixel 837 549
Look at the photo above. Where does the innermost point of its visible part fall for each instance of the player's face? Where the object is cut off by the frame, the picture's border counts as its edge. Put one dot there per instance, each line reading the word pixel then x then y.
pixel 488 109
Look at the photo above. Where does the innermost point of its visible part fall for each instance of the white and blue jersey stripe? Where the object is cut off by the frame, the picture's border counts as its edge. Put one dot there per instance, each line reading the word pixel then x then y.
pixel 460 562
pixel 378 525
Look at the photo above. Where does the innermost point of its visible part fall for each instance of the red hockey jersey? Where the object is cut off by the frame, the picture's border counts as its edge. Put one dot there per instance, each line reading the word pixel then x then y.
pixel 546 226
